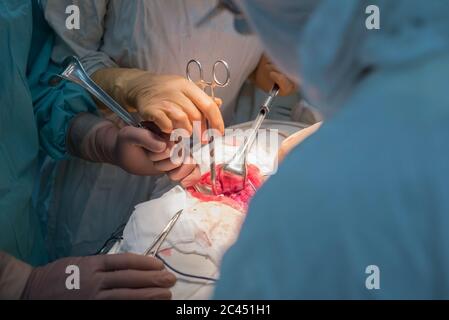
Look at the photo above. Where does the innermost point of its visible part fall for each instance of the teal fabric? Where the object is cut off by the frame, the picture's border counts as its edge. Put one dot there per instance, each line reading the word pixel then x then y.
pixel 411 30
pixel 19 145
pixel 25 46
pixel 54 106
pixel 372 186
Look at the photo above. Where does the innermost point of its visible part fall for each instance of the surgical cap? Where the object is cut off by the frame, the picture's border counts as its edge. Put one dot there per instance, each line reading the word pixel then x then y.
pixel 326 43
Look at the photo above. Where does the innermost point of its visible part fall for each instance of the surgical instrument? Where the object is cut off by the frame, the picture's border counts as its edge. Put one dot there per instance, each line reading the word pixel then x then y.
pixel 74 72
pixel 237 167
pixel 203 84
pixel 156 245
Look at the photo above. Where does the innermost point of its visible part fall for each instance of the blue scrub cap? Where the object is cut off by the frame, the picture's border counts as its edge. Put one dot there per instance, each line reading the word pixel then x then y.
pixel 326 45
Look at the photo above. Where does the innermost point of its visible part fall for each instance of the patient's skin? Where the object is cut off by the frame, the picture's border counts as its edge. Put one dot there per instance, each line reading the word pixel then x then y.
pixel 295 139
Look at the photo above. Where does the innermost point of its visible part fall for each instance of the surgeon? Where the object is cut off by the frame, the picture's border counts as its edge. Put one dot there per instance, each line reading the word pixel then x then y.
pixel 137 51
pixel 360 210
pixel 58 119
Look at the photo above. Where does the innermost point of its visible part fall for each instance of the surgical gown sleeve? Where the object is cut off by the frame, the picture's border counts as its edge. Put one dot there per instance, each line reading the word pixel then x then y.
pixel 293 244
pixel 54 105
pixel 85 42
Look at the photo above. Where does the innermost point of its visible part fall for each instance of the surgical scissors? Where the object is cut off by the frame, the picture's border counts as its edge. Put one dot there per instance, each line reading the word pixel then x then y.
pixel 203 84
pixel 156 245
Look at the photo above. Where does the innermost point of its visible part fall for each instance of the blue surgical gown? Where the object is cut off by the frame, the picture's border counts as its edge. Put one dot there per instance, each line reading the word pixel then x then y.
pixel 34 117
pixel 360 210
pixel 371 188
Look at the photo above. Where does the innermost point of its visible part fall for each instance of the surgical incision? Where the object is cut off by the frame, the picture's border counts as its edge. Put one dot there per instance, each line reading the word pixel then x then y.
pixel 226 190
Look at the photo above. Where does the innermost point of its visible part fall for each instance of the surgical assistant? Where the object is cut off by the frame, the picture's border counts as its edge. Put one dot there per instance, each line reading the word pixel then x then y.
pixel 369 193
pixel 35 115
pixel 138 52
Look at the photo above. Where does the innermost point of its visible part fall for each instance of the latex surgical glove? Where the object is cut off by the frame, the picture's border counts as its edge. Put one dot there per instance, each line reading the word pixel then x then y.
pixel 13 276
pixel 121 276
pixel 295 139
pixel 137 151
pixel 267 74
pixel 179 166
pixel 98 140
pixel 171 102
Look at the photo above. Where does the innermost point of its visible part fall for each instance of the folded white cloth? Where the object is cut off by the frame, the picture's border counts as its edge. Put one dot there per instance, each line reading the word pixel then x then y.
pixel 204 231
pixel 150 218
pixel 204 228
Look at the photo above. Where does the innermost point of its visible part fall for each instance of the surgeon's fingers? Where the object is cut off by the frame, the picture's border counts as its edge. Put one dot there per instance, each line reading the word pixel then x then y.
pixel 286 86
pixel 138 279
pixel 192 178
pixel 189 107
pixel 166 165
pixel 135 294
pixel 143 138
pixel 131 261
pixel 181 172
pixel 169 153
pixel 159 117
pixel 156 157
pixel 193 114
pixel 177 115
pixel 218 101
pixel 206 105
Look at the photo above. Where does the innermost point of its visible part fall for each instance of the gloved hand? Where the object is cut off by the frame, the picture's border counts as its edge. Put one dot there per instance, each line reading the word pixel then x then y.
pixel 121 276
pixel 137 151
pixel 183 170
pixel 266 75
pixel 171 102
pixel 13 276
pixel 295 139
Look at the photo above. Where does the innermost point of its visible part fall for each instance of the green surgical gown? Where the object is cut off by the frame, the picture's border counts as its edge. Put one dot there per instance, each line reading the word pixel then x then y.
pixel 34 118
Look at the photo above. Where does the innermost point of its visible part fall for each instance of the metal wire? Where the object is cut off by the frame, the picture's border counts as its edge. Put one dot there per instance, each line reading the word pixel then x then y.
pixel 184 273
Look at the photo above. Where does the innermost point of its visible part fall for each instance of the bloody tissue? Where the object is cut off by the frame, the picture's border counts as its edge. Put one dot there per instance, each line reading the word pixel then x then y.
pixel 227 187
